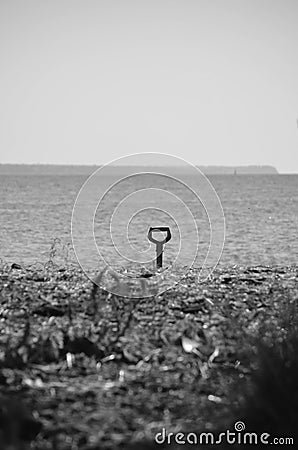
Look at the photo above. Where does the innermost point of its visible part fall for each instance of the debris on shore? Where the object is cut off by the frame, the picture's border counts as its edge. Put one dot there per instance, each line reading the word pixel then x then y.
pixel 93 370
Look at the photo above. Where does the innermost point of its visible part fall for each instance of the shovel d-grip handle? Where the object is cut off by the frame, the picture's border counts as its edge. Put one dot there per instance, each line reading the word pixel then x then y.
pixel 159 244
pixel 155 241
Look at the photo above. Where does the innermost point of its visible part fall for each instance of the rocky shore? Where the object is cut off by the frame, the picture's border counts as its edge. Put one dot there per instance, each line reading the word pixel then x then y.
pixel 81 368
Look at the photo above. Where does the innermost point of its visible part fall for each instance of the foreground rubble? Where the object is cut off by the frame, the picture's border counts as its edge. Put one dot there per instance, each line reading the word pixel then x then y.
pixel 81 368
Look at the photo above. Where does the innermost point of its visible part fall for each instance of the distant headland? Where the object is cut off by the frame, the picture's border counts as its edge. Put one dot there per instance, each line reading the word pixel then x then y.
pixel 239 170
pixel 53 169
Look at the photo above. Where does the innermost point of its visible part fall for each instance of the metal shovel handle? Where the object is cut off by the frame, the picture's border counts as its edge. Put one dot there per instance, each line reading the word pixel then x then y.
pixel 155 241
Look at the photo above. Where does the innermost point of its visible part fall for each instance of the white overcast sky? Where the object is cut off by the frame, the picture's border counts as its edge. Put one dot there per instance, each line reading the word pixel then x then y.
pixel 212 81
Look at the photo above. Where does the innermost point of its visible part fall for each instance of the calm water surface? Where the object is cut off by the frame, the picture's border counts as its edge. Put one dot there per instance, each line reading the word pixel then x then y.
pixel 261 213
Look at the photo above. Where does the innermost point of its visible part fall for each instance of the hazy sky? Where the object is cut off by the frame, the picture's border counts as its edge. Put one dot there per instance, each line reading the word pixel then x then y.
pixel 212 81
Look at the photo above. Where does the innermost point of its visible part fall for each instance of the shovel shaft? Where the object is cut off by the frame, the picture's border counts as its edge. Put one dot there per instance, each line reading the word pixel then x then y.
pixel 159 252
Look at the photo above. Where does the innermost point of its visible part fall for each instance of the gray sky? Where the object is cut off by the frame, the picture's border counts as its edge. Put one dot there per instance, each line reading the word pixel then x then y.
pixel 211 81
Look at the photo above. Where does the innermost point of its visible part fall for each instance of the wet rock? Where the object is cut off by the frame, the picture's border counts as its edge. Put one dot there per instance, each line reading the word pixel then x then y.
pixel 16 266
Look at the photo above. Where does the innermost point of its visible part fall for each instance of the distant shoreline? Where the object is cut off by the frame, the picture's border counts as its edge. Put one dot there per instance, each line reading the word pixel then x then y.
pixel 59 169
